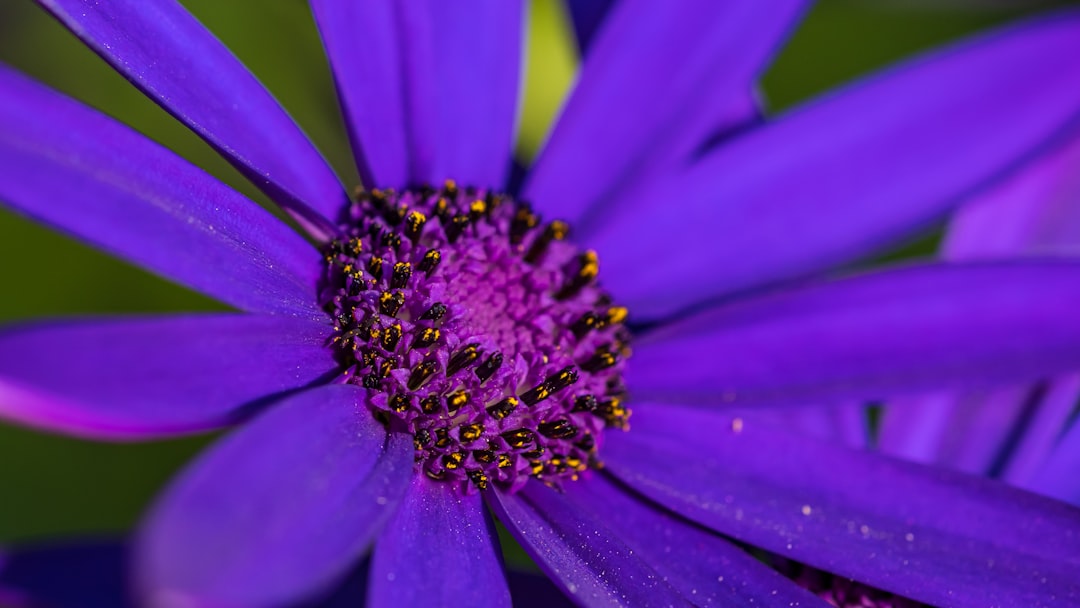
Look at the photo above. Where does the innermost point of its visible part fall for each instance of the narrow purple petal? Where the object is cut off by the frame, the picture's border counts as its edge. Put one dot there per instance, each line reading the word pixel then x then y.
pixel 152 377
pixel 845 424
pixel 478 49
pixel 1037 212
pixel 164 51
pixel 1031 451
pixel 1006 433
pixel 833 181
pixel 1059 477
pixel 527 590
pixel 362 44
pixel 277 510
pixel 440 549
pixel 707 569
pixel 656 83
pixel 579 552
pixel 967 432
pixel 874 336
pixel 429 89
pixel 928 534
pixel 82 173
pixel 415 39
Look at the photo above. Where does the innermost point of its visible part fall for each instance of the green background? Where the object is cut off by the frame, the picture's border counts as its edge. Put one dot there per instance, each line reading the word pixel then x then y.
pixel 52 486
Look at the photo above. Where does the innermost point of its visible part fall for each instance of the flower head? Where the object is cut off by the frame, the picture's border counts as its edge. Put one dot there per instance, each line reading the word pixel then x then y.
pixel 481 333
pixel 451 343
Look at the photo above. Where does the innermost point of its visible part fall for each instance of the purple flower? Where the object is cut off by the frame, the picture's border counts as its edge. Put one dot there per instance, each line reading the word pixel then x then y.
pixel 443 346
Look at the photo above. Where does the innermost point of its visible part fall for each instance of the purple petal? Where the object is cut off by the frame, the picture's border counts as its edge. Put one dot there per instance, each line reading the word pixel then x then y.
pixel 415 31
pixel 362 44
pixel 1060 474
pixel 874 336
pixel 833 181
pixel 928 534
pixel 845 424
pixel 1036 212
pixel 656 83
pixel 277 510
pixel 580 553
pixel 706 568
pixel 527 590
pixel 478 53
pixel 165 52
pixel 440 549
pixel 152 377
pixel 1030 451
pixel 429 88
pixel 1006 433
pixel 80 172
pixel 966 432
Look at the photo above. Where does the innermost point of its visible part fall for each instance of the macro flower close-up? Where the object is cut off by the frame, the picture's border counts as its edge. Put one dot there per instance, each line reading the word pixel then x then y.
pixel 578 347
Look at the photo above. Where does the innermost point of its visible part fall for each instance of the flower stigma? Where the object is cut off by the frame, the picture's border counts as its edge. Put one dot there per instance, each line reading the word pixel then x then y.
pixel 478 329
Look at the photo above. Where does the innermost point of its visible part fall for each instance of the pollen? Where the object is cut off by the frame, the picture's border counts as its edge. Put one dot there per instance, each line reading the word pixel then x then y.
pixel 480 329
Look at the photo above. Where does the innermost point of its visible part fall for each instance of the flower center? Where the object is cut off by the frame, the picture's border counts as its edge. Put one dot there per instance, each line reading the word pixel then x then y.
pixel 479 330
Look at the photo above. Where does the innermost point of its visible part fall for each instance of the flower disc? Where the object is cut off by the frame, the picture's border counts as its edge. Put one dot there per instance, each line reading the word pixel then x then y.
pixel 479 330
